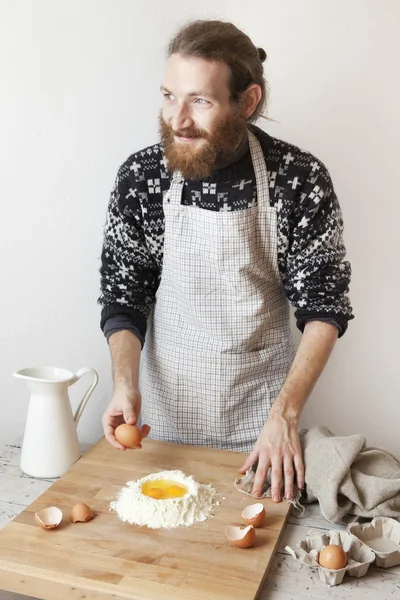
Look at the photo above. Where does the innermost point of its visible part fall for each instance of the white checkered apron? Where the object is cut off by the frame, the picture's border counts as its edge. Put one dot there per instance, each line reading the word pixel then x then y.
pixel 218 345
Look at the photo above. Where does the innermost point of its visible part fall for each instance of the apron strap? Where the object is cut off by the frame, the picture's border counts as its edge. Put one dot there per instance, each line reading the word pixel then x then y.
pixel 174 194
pixel 260 170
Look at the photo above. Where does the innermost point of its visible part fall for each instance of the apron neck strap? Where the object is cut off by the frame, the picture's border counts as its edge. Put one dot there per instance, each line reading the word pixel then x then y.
pixel 260 170
pixel 174 194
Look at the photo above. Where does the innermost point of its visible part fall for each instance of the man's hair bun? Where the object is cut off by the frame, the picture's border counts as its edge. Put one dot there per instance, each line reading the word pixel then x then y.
pixel 262 54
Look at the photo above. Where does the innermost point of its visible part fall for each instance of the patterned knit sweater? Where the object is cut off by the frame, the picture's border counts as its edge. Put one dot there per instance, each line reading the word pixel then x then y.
pixel 310 244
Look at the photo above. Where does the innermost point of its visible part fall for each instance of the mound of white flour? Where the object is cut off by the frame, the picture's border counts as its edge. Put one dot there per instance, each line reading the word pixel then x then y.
pixel 135 508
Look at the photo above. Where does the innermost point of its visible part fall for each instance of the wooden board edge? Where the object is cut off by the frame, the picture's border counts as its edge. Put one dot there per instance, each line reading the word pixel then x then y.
pixel 45 585
pixel 277 541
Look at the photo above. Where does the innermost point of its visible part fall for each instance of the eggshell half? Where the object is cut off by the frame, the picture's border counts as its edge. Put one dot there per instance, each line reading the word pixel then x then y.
pixel 242 538
pixel 82 513
pixel 49 518
pixel 254 514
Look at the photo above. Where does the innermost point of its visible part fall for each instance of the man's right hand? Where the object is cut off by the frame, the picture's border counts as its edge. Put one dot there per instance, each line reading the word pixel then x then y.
pixel 124 408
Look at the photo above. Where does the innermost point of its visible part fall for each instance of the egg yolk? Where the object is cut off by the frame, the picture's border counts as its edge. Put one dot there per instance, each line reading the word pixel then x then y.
pixel 155 493
pixel 162 489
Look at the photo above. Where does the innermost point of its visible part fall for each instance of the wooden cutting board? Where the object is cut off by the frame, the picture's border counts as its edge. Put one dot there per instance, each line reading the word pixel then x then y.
pixel 107 558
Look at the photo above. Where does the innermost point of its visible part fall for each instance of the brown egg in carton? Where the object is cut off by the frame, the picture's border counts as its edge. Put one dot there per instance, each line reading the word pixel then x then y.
pixel 382 536
pixel 359 556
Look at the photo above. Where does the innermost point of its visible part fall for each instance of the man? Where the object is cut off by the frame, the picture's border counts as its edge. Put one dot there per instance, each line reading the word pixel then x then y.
pixel 208 236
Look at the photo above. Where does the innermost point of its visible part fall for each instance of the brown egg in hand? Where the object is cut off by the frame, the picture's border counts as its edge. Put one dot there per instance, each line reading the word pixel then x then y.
pixel 333 557
pixel 128 435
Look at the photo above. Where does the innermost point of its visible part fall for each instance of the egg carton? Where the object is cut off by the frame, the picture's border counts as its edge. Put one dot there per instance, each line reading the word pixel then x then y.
pixel 359 555
pixel 382 536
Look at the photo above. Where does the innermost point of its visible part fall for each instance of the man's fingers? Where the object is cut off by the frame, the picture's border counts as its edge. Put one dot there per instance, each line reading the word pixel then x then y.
pixel 251 459
pixel 261 475
pixel 299 467
pixel 110 436
pixel 145 430
pixel 276 478
pixel 288 473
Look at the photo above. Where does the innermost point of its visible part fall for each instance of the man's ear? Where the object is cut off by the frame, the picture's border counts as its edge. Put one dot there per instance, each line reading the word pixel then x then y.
pixel 250 99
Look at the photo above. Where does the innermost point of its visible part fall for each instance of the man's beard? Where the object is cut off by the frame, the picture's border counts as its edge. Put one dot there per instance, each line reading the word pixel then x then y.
pixel 217 145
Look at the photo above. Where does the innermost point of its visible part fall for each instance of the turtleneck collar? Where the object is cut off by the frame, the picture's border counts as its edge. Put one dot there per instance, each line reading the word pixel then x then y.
pixel 240 151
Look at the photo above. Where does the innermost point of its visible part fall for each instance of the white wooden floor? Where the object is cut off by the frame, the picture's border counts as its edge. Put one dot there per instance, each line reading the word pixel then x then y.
pixel 287 579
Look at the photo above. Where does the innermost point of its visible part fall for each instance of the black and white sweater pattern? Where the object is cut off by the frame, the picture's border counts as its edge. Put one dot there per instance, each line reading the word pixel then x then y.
pixel 311 251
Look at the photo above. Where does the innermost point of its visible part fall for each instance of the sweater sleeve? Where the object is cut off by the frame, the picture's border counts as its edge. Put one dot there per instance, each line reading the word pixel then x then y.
pixel 129 273
pixel 317 275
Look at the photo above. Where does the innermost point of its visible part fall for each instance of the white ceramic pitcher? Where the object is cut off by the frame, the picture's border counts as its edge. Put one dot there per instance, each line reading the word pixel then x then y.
pixel 50 445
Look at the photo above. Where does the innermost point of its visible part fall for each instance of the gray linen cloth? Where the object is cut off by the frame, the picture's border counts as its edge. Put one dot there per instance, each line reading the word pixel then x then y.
pixel 344 475
pixel 347 477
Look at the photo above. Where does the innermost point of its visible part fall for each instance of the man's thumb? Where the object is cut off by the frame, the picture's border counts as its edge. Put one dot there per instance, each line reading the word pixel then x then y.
pixel 129 414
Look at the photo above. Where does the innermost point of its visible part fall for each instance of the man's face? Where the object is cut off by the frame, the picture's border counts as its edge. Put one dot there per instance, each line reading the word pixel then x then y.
pixel 199 124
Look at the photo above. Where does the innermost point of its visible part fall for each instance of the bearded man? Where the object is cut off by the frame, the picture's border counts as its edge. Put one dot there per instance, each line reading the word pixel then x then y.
pixel 210 236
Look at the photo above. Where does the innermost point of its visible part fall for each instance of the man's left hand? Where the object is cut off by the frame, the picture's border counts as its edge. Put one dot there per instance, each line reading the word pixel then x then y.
pixel 277 448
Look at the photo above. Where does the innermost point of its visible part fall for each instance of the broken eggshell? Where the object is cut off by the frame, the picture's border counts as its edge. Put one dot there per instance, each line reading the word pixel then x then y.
pixel 49 518
pixel 242 538
pixel 81 513
pixel 254 514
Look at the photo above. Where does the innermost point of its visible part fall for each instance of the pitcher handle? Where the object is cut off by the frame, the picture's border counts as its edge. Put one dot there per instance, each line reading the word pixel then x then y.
pixel 83 402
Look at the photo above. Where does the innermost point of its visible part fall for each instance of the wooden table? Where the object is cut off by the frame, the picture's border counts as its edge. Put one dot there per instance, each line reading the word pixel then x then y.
pixel 285 581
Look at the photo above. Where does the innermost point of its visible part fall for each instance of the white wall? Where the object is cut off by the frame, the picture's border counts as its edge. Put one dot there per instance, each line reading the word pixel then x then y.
pixel 80 82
